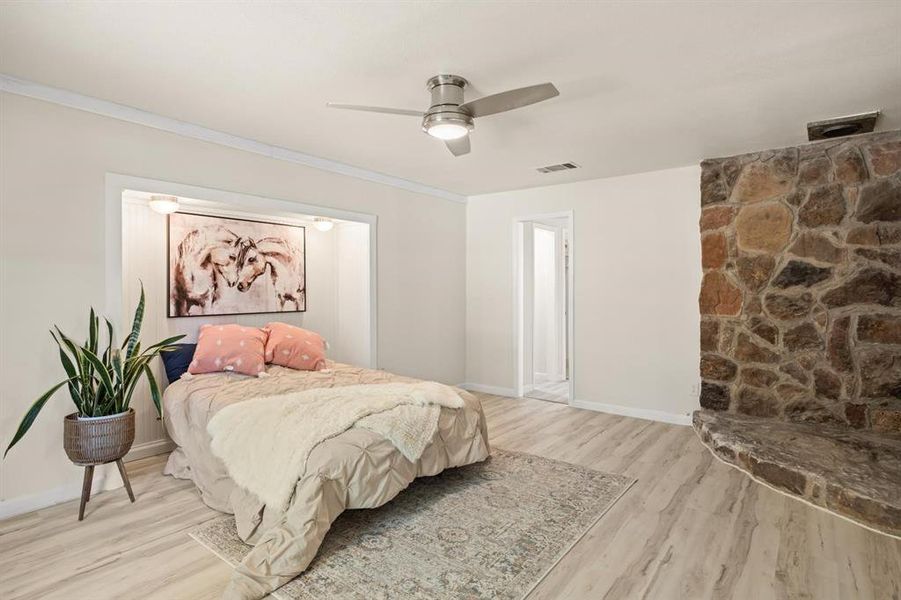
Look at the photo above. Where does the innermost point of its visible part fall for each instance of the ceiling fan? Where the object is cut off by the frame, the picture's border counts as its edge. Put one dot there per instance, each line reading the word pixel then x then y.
pixel 450 119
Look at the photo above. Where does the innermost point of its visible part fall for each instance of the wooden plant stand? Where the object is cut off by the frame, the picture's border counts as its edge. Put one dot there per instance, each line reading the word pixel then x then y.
pixel 89 478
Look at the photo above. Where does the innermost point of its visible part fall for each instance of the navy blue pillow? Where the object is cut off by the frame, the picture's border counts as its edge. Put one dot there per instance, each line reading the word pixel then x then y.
pixel 177 361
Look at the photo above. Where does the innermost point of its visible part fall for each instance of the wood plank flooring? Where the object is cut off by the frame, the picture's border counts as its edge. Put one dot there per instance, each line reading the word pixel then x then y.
pixel 691 527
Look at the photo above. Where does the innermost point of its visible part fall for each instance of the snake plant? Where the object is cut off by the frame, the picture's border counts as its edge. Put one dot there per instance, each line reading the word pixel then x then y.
pixel 101 384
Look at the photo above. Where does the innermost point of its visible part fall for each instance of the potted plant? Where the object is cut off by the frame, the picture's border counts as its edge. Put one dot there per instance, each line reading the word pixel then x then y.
pixel 102 428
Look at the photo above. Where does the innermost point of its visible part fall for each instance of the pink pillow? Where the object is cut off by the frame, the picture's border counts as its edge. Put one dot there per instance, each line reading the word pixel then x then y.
pixel 295 348
pixel 229 348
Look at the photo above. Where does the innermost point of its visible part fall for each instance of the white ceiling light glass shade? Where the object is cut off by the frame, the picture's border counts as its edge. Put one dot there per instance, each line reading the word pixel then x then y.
pixel 164 204
pixel 447 125
pixel 323 224
pixel 447 131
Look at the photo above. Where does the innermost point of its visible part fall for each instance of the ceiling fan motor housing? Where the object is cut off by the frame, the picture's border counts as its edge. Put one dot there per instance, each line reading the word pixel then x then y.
pixel 447 96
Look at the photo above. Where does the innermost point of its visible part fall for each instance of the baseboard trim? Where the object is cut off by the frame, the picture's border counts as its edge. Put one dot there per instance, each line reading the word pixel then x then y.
pixel 638 413
pixel 488 389
pixel 106 477
pixel 149 449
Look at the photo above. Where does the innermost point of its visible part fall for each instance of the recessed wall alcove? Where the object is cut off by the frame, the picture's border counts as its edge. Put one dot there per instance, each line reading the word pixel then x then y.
pixel 340 275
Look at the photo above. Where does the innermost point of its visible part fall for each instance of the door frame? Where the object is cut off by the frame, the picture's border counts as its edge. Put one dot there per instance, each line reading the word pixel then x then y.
pixel 519 298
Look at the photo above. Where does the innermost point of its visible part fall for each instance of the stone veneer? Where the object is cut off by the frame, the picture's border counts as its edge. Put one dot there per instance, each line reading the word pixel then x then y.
pixel 855 474
pixel 801 296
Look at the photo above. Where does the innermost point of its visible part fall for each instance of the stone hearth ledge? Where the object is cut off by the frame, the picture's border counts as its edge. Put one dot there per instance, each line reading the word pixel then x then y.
pixel 850 473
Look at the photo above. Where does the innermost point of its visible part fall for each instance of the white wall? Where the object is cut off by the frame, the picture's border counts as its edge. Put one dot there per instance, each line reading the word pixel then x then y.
pixel 350 340
pixel 636 254
pixel 53 164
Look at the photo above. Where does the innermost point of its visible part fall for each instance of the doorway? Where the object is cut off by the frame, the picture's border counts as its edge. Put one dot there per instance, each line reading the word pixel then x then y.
pixel 544 307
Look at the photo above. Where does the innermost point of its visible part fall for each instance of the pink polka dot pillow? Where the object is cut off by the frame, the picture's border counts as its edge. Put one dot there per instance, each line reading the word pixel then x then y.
pixel 229 348
pixel 295 348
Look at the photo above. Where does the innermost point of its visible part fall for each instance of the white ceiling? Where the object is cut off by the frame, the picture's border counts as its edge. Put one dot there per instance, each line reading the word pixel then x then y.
pixel 643 86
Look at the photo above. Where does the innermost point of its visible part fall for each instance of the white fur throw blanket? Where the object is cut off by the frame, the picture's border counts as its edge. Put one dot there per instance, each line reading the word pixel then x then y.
pixel 264 443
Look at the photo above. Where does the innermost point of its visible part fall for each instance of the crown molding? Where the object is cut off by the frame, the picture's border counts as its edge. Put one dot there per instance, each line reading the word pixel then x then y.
pixel 122 112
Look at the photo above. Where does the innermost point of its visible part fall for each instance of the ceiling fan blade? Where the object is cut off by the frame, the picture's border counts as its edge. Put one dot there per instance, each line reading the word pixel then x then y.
pixel 459 146
pixel 497 103
pixel 377 109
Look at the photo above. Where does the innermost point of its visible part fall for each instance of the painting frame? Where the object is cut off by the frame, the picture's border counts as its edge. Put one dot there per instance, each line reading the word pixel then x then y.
pixel 169 265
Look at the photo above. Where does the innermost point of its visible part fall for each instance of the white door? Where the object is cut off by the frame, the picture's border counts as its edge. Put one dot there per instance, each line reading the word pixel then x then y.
pixel 544 327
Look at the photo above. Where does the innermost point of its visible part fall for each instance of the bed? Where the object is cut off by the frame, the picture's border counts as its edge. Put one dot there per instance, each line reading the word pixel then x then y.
pixel 355 469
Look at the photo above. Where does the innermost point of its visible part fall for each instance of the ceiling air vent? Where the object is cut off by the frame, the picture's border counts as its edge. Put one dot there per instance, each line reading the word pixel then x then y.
pixel 842 126
pixel 561 167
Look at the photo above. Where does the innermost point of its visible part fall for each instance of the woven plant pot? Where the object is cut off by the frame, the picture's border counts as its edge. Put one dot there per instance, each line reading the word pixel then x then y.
pixel 98 440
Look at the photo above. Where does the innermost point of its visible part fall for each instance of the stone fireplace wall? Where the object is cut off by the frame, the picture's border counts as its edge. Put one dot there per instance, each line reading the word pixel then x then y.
pixel 801 297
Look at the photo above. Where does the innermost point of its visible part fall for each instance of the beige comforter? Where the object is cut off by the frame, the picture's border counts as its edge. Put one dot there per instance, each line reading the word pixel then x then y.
pixel 356 469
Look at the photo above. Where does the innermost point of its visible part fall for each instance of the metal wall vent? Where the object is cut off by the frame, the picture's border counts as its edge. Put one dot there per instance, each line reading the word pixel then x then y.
pixel 842 126
pixel 561 167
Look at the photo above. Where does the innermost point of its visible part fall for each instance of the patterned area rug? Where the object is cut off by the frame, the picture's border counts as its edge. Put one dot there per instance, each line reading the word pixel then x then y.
pixel 490 530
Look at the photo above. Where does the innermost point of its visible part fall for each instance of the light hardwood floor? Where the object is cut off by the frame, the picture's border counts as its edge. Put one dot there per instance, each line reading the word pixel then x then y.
pixel 691 527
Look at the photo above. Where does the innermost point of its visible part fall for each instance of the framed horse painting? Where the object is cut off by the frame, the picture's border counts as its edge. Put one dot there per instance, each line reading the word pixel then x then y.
pixel 227 266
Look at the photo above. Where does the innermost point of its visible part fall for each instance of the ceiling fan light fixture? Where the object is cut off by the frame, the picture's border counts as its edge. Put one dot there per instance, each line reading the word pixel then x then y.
pixel 164 205
pixel 447 125
pixel 450 118
pixel 447 131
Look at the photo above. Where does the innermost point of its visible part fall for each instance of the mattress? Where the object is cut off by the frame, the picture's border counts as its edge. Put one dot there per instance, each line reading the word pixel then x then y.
pixel 356 469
